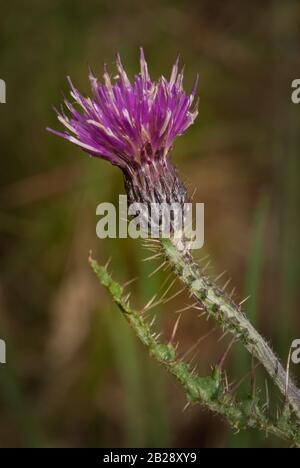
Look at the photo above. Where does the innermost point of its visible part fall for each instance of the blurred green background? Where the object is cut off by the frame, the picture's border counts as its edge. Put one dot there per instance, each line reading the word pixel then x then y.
pixel 76 375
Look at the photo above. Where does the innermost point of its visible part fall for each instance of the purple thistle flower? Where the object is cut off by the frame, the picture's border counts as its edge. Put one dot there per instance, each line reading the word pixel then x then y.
pixel 132 125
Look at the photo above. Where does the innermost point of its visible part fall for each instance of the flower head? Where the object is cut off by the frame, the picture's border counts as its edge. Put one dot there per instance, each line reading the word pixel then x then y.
pixel 129 123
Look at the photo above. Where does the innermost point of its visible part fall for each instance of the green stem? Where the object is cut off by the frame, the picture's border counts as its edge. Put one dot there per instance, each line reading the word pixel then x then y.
pixel 209 391
pixel 230 317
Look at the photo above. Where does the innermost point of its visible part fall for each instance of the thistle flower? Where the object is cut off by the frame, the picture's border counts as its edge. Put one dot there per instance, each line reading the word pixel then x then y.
pixel 133 125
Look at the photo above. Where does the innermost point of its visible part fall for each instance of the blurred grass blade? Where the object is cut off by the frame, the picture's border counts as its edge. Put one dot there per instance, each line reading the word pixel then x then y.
pixel 129 365
pixel 252 285
pixel 253 276
pixel 158 431
pixel 289 259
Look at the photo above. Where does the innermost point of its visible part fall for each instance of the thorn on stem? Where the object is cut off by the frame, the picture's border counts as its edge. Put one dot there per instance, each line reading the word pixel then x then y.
pixel 186 406
pixel 287 377
pixel 222 336
pixel 226 284
pixel 168 299
pixel 152 257
pixel 223 358
pixel 147 306
pixel 244 300
pixel 195 345
pixel 202 314
pixel 267 404
pixel 206 266
pixel 239 383
pixel 166 281
pixel 220 275
pixel 253 383
pixel 226 382
pixel 157 269
pixel 175 328
pixel 125 285
pixel 190 306
pixel 168 288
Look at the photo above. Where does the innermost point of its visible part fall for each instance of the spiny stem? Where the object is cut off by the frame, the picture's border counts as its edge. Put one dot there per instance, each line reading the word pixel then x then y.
pixel 229 315
pixel 211 391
